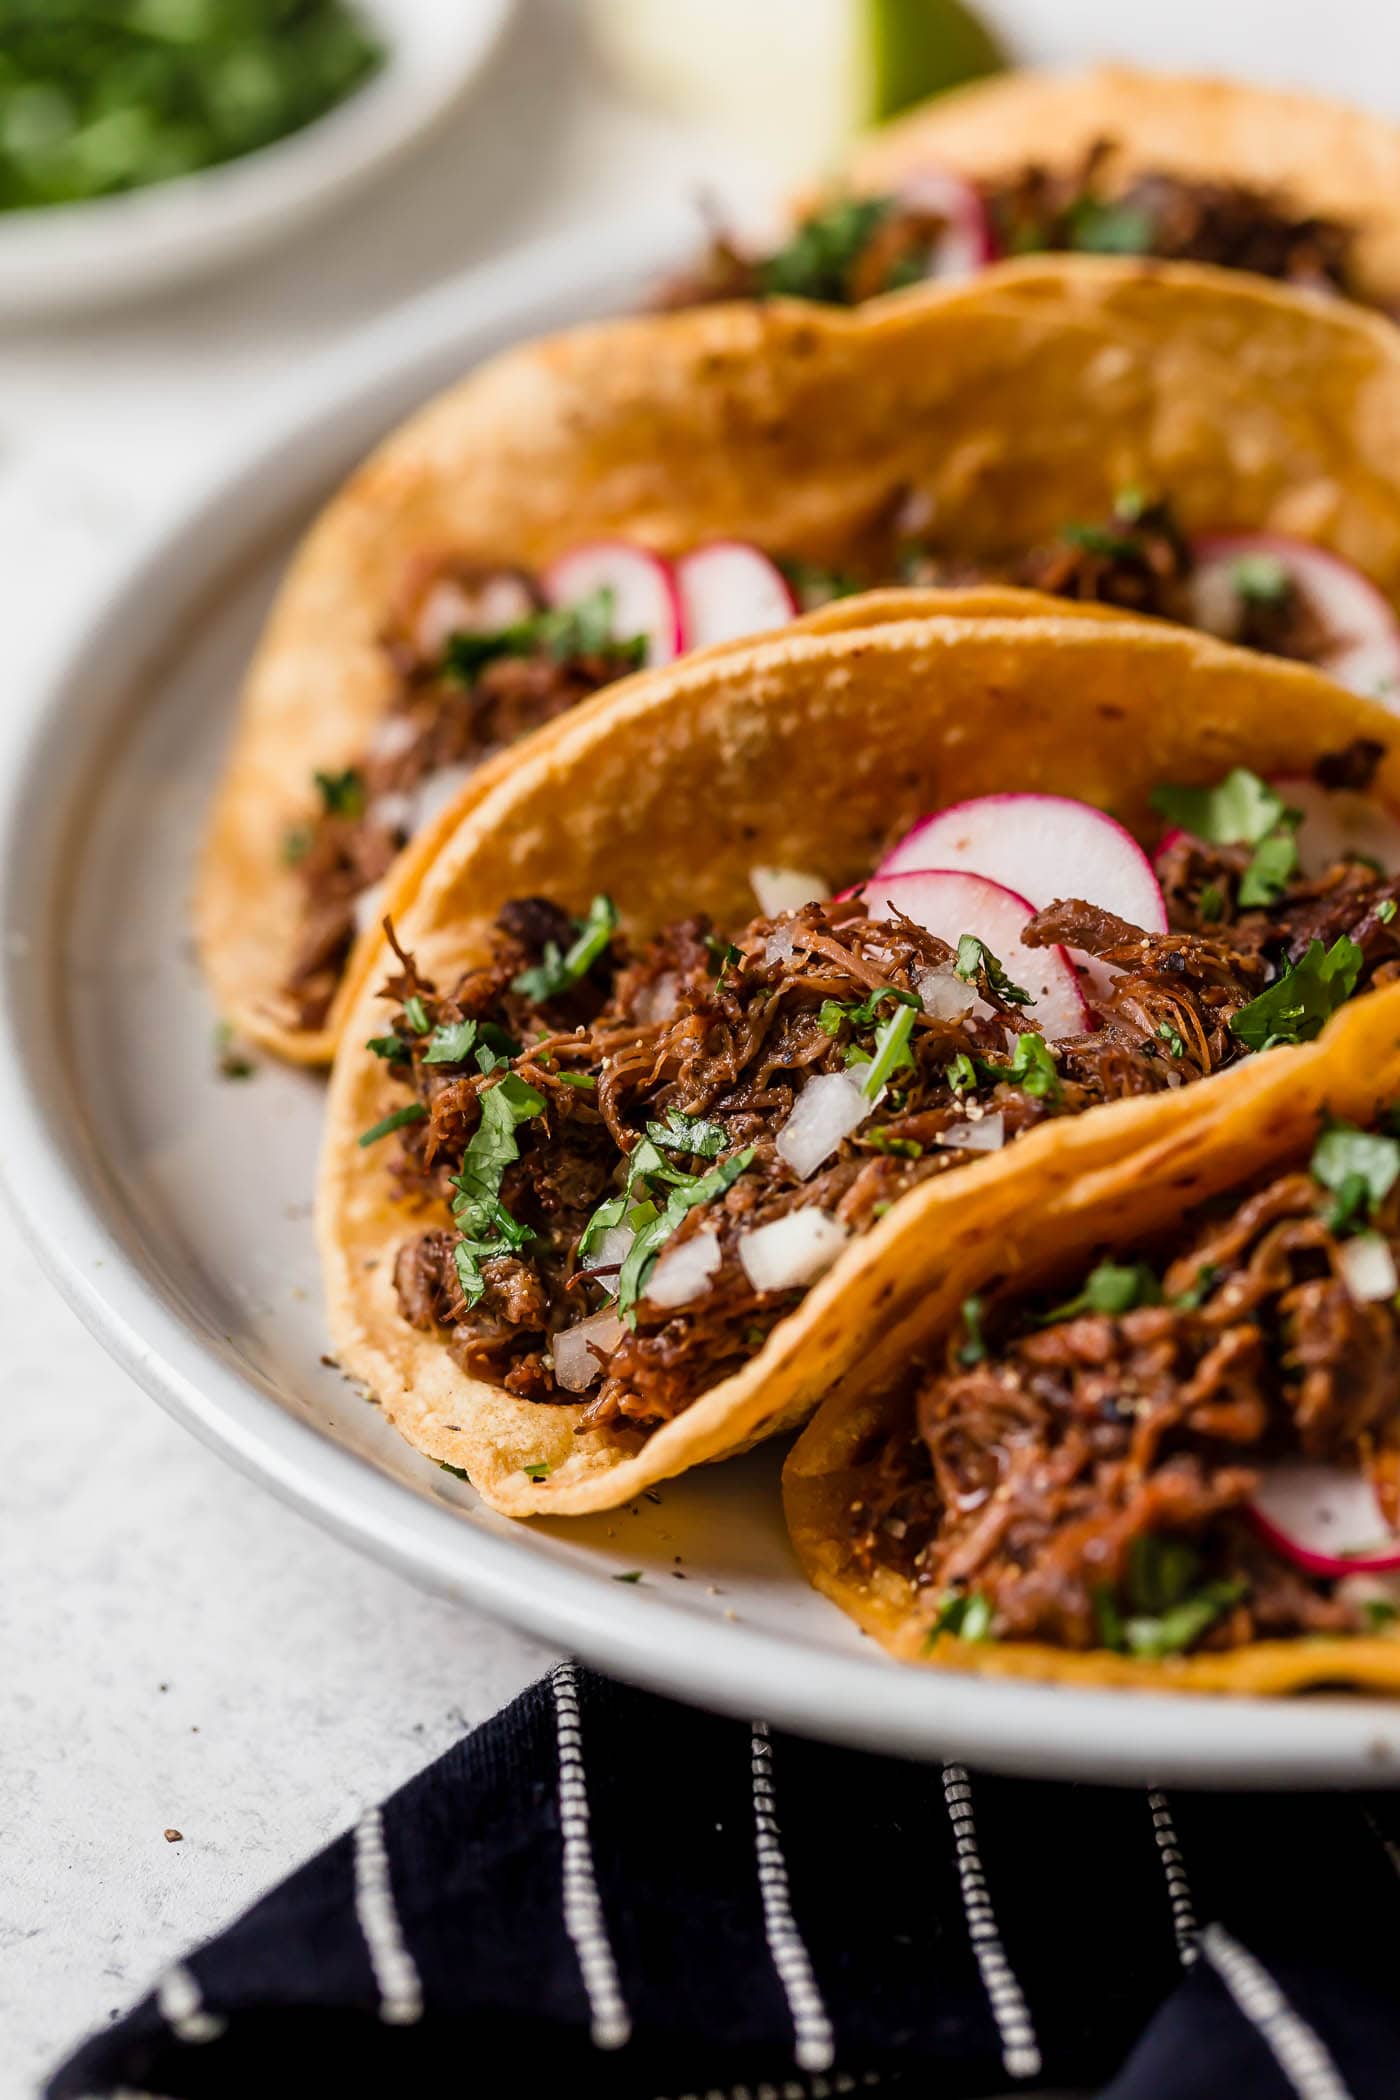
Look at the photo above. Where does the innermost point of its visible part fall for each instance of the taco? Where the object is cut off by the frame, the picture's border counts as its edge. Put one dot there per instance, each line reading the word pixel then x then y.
pixel 631 1137
pixel 1146 1429
pixel 1194 448
pixel 1107 161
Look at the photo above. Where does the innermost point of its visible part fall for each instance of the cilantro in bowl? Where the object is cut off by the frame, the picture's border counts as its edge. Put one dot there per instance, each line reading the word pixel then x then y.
pixel 98 96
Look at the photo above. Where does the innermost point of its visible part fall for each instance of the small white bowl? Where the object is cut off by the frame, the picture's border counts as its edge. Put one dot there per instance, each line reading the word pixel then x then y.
pixel 64 257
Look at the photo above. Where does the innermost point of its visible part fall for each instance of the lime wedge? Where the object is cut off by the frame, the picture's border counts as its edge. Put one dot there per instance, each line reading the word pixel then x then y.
pixel 793 81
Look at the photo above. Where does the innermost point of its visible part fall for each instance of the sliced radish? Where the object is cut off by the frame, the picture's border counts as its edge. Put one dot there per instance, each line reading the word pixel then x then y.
pixel 1363 648
pixel 1327 1519
pixel 951 902
pixel 644 594
pixel 729 589
pixel 1044 847
pixel 1337 822
pixel 968 242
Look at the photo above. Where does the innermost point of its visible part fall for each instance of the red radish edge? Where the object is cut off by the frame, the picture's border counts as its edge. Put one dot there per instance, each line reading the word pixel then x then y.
pixel 1369 624
pixel 765 581
pixel 1069 986
pixel 1331 1564
pixel 585 569
pixel 971 240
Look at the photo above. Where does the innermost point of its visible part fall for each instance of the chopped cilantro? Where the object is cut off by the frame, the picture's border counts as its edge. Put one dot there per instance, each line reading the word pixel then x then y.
pixel 631 1575
pixel 966 1614
pixel 1032 1068
pixel 585 1080
pixel 976 960
pixel 1295 1008
pixel 1360 1167
pixel 296 844
pixel 722 953
pixel 485 1225
pixel 814 585
pixel 1108 1620
pixel 689 1134
pixel 961 1074
pixel 1172 1039
pixel 537 1472
pixel 1211 903
pixel 563 632
pixel 973 1349
pixel 1103 541
pixel 1379 1612
pixel 451 1043
pixel 342 794
pixel 1096 227
pixel 1195 1296
pixel 557 973
pixel 1240 810
pixel 388 1046
pixel 1385 911
pixel 412 1112
pixel 891 1050
pixel 816 262
pixel 1260 579
pixel 1174 1630
pixel 652 1233
pixel 456 1471
pixel 233 1061
pixel 1112 1288
pixel 416 1014
pixel 1268 875
pixel 903 1148
pixel 1166 1613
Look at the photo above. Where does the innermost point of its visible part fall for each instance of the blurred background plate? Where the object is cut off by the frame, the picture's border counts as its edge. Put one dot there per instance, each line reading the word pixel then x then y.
pixel 64 257
pixel 172 1206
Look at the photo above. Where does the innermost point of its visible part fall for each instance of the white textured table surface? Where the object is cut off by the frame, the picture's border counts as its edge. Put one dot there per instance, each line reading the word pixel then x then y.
pixel 177 1651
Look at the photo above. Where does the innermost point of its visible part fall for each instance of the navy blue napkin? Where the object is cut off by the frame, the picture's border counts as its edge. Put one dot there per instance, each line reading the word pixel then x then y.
pixel 602 1893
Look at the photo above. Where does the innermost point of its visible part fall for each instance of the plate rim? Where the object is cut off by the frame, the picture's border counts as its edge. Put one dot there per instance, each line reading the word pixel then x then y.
pixel 62 1198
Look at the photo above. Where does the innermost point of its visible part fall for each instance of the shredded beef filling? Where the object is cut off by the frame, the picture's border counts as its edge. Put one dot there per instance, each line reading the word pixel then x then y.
pixel 861 248
pixel 709 1043
pixel 445 717
pixel 1066 1461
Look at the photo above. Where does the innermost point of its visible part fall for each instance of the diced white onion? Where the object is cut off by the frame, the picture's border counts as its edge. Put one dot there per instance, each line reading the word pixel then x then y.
pixel 575 1365
pixel 1360 1590
pixel 611 1248
pixel 944 994
pixel 1368 1268
pixel 829 1107
pixel 786 889
pixel 793 1250
pixel 452 608
pixel 779 945
pixel 1216 605
pixel 684 1272
pixel 394 812
pixel 658 1001
pixel 985 1134
pixel 369 907
pixel 433 795
pixel 393 736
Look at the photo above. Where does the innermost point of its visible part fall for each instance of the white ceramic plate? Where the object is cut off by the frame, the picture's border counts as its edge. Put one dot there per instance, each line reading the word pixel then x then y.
pixel 172 1207
pixel 78 255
